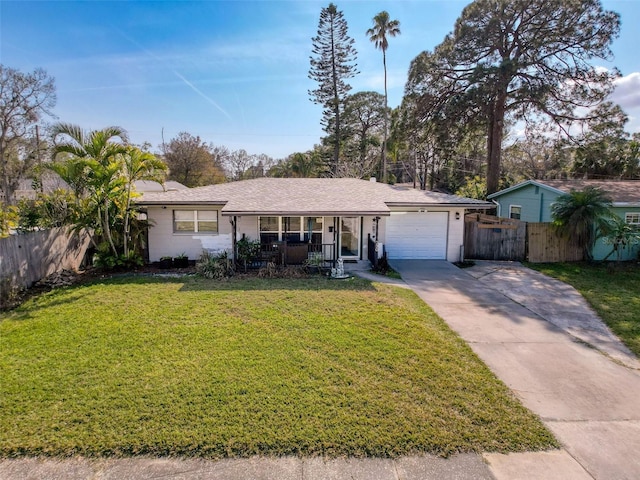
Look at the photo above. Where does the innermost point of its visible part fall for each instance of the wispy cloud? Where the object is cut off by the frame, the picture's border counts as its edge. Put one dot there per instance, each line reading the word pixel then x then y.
pixel 177 74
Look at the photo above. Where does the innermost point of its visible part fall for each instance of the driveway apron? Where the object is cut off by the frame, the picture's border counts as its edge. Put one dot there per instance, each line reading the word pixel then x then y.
pixel 588 397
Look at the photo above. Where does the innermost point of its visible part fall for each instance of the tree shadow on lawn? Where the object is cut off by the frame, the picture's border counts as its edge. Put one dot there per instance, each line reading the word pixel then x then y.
pixel 188 283
pixel 246 283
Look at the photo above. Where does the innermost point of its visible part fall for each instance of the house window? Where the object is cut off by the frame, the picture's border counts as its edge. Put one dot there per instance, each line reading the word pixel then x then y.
pixel 515 211
pixel 195 221
pixel 269 229
pixel 632 218
pixel 291 229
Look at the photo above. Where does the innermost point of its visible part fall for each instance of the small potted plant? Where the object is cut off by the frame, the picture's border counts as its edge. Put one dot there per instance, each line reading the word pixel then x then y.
pixel 181 261
pixel 166 262
pixel 315 262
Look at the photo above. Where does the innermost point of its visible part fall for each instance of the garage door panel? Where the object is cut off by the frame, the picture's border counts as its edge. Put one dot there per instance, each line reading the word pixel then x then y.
pixel 414 235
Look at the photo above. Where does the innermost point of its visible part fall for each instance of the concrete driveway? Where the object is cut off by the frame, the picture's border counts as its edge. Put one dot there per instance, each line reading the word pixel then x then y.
pixel 583 384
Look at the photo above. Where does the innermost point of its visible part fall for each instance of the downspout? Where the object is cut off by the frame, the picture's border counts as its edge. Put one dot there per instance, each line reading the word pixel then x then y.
pixel 498 209
pixel 541 204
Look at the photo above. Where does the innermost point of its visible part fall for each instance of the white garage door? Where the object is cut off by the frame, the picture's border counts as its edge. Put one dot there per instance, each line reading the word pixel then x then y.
pixel 417 235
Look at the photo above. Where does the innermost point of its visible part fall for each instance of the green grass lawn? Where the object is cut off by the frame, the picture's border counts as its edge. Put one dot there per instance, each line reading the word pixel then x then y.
pixel 612 292
pixel 221 369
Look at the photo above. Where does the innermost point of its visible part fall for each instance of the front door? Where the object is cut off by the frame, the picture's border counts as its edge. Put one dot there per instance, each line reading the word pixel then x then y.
pixel 350 237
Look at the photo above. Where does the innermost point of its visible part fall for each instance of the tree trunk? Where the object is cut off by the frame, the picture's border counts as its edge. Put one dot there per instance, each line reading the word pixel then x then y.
pixel 494 141
pixel 125 240
pixel 336 146
pixel 386 120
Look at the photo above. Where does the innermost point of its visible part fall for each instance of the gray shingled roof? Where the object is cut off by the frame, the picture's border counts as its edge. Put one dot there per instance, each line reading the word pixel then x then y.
pixel 299 196
pixel 151 186
pixel 621 192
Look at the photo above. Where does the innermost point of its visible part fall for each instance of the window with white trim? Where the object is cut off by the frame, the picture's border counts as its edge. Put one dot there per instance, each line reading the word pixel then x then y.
pixel 515 211
pixel 632 218
pixel 195 221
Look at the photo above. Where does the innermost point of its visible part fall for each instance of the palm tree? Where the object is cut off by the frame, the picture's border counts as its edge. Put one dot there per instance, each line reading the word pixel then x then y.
pixel 620 235
pixel 382 27
pixel 582 215
pixel 102 156
pixel 138 165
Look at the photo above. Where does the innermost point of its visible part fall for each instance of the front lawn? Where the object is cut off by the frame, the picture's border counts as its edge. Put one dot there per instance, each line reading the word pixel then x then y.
pixel 272 367
pixel 613 292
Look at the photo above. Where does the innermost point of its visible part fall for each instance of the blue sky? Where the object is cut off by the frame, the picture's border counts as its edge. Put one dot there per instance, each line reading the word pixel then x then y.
pixel 232 72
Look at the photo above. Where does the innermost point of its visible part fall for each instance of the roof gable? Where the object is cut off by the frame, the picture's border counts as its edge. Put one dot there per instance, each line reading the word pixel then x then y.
pixel 513 188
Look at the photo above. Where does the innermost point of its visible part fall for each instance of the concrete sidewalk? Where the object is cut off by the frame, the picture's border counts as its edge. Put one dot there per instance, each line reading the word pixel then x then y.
pixel 289 468
pixel 588 397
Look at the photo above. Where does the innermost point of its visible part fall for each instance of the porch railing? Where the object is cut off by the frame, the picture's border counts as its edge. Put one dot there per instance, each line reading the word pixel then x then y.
pixel 288 253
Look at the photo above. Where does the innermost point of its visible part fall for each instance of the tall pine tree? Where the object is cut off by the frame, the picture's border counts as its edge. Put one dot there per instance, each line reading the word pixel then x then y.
pixel 332 64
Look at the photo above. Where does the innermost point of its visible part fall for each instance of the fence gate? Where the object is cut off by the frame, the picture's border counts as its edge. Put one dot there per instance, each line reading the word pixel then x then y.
pixel 493 238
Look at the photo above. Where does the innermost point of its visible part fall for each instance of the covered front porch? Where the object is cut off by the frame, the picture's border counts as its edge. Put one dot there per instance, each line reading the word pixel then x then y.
pixel 318 240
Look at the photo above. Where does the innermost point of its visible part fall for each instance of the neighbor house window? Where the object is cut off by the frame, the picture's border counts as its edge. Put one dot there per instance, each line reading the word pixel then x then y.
pixel 515 211
pixel 632 219
pixel 195 221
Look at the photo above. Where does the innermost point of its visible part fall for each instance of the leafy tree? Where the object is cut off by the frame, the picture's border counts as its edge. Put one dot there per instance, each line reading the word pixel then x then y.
pixel 9 217
pixel 437 146
pixel 363 118
pixel 538 155
pixel 25 98
pixel 193 162
pixel 238 163
pixel 520 59
pixel 582 215
pixel 48 210
pixel 298 165
pixel 332 64
pixel 383 26
pixel 605 149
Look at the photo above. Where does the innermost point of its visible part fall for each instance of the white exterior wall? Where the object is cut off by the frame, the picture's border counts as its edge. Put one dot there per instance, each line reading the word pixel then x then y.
pixel 455 230
pixel 163 242
pixel 456 234
pixel 248 226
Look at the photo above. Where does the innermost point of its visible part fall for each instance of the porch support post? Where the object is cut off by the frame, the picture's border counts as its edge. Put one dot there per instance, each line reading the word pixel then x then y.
pixel 234 240
pixel 335 242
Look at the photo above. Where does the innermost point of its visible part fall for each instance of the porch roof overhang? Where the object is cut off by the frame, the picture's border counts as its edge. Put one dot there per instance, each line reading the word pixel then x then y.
pixel 302 213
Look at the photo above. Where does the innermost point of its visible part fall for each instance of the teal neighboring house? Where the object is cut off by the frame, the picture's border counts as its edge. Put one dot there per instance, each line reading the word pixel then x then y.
pixel 531 201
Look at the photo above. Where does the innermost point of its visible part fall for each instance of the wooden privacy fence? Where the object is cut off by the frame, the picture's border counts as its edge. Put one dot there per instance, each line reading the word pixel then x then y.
pixel 492 238
pixel 27 258
pixel 544 245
